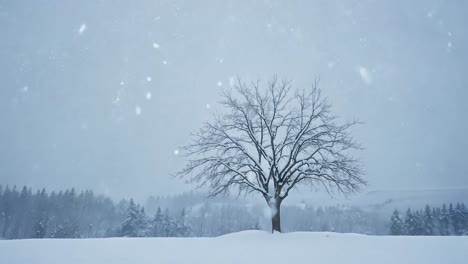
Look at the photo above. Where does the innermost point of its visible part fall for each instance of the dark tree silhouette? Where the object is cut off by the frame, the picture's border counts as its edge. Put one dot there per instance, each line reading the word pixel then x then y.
pixel 270 141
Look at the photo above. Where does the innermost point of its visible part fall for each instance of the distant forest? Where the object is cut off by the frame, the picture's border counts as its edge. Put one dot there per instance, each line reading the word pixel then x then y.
pixel 440 221
pixel 25 213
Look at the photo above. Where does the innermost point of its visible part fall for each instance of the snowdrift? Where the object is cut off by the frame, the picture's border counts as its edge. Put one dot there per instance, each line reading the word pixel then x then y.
pixel 244 247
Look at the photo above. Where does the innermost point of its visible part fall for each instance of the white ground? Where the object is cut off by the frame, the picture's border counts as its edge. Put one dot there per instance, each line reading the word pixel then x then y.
pixel 245 247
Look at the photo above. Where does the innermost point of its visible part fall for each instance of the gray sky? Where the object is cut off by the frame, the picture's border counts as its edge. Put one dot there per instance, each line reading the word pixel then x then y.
pixel 99 94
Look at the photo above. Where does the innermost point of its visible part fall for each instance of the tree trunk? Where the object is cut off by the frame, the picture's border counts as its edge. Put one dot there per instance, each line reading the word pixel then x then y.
pixel 276 216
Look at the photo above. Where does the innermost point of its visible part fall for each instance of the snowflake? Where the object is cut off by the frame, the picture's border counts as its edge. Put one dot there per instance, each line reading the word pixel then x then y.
pixel 82 28
pixel 138 110
pixel 365 75
pixel 231 81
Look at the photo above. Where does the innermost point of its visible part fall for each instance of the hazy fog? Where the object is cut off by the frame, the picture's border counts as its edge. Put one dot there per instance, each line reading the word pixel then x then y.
pixel 101 94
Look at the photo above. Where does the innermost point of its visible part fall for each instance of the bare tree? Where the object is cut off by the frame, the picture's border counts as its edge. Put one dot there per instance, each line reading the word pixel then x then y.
pixel 270 140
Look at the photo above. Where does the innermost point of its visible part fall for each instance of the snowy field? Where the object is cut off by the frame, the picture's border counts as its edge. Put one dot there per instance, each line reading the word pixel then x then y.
pixel 244 247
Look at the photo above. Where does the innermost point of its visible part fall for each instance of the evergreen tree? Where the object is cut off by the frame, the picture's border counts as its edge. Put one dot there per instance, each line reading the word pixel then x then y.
pixel 444 221
pixel 451 214
pixel 156 224
pixel 464 219
pixel 183 229
pixel 412 223
pixel 419 217
pixel 436 220
pixel 143 229
pixel 130 225
pixel 396 224
pixel 428 222
pixel 169 225
pixel 40 228
pixel 458 220
pixel 67 229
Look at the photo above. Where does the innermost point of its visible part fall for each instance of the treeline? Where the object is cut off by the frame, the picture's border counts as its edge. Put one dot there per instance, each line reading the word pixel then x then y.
pixel 436 221
pixel 208 217
pixel 338 218
pixel 28 214
pixel 138 224
pixel 67 214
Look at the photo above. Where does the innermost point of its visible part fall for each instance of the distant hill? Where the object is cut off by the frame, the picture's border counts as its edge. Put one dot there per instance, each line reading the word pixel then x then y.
pixel 402 199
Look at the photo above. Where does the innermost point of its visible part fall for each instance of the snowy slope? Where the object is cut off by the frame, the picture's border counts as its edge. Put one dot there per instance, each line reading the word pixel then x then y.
pixel 244 247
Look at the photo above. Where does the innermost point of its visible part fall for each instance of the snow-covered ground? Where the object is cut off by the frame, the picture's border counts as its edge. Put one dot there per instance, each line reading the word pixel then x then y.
pixel 244 247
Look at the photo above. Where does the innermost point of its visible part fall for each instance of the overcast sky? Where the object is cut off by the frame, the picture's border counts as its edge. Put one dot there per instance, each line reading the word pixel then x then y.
pixel 101 94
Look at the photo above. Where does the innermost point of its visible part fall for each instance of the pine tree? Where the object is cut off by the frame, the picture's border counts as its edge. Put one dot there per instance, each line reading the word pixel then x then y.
pixel 410 225
pixel 182 229
pixel 458 220
pixel 428 222
pixel 67 229
pixel 419 218
pixel 451 213
pixel 414 223
pixel 169 225
pixel 142 224
pixel 130 224
pixel 444 221
pixel 156 224
pixel 464 219
pixel 40 228
pixel 396 224
pixel 436 219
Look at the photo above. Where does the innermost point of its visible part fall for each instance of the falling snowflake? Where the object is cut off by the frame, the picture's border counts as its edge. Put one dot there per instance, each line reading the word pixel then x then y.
pixel 231 81
pixel 149 78
pixel 82 28
pixel 164 62
pixel 365 75
pixel 25 89
pixel 219 83
pixel 148 96
pixel 176 152
pixel 208 106
pixel 122 83
pixel 138 110
pixel 156 45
